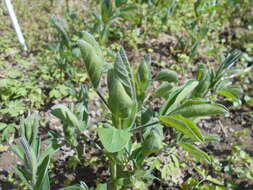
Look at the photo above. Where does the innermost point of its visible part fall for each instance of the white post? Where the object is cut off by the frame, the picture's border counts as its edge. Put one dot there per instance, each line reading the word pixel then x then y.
pixel 15 23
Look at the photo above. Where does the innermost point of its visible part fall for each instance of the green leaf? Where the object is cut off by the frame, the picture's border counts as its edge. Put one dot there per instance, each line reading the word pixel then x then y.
pixel 30 158
pixel 36 146
pixel 185 126
pixel 177 96
pixel 126 12
pixel 202 72
pixel 144 74
pixel 3 126
pixel 61 25
pixel 211 137
pixel 67 116
pixel 86 36
pixel 199 110
pixel 193 101
pixel 113 139
pixel 7 131
pixel 106 10
pixel 163 89
pixel 152 143
pixel 214 180
pixel 129 121
pixel 232 93
pixel 102 187
pixel 196 152
pixel 123 71
pixel 22 176
pixel 167 75
pixel 221 84
pixel 74 187
pixel 202 88
pixel 49 151
pixel 229 61
pixel 42 173
pixel 29 127
pixel 14 108
pixel 119 100
pixel 81 110
pixel 92 58
pixel 119 3
pixel 46 183
pixel 19 151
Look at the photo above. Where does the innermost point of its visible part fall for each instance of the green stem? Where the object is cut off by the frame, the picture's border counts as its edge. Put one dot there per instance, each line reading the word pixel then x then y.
pixel 102 98
pixel 144 126
pixel 113 169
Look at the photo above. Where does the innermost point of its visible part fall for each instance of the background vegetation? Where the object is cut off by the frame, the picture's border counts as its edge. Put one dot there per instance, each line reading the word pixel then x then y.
pixel 40 91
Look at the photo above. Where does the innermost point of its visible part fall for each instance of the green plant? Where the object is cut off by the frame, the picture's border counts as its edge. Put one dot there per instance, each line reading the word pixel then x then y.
pixel 240 163
pixel 65 49
pixel 34 171
pixel 135 132
pixel 75 119
pixel 218 82
pixel 109 13
pixel 14 91
pixel 7 131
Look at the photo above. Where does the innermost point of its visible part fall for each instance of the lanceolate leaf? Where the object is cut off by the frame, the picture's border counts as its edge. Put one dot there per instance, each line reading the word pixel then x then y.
pixel 178 96
pixel 192 101
pixel 144 74
pixel 185 126
pixel 29 127
pixel 163 89
pixel 93 61
pixel 50 150
pixel 211 137
pixel 229 60
pixel 232 93
pixel 113 139
pixel 170 100
pixel 199 110
pixel 46 183
pixel 202 87
pixel 196 152
pixel 42 173
pixel 129 121
pixel 167 75
pixel 221 84
pixel 23 177
pixel 130 73
pixel 19 151
pixel 202 72
pixel 123 70
pixel 91 40
pixel 74 187
pixel 119 101
pixel 30 158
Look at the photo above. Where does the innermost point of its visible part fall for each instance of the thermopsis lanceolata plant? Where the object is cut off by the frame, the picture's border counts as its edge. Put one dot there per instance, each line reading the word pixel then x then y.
pixel 34 171
pixel 135 130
